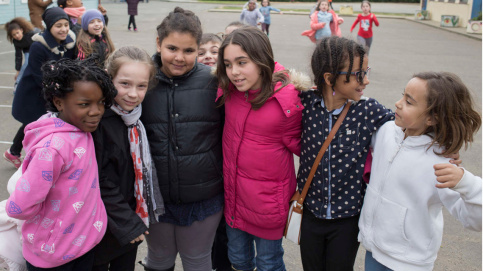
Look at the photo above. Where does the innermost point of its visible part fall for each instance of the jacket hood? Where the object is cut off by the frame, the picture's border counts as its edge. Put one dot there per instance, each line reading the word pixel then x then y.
pixel 49 41
pixel 45 126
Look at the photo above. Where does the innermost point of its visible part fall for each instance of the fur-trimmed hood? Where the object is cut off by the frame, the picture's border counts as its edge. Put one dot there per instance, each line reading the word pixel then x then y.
pixel 49 41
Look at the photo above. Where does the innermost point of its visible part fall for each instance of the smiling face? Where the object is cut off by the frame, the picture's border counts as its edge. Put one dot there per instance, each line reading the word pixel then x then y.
pixel 95 27
pixel 131 82
pixel 83 107
pixel 17 34
pixel 411 108
pixel 351 90
pixel 208 53
pixel 252 6
pixel 178 53
pixel 60 30
pixel 240 69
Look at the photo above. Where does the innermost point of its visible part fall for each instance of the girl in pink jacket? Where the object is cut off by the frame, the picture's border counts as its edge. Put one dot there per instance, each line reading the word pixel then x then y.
pixel 58 194
pixel 261 133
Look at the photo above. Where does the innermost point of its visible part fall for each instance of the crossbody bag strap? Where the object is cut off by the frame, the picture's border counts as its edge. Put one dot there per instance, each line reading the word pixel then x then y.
pixel 324 147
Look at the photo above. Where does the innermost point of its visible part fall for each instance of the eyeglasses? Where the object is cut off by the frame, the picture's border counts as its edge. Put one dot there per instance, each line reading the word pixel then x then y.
pixel 359 74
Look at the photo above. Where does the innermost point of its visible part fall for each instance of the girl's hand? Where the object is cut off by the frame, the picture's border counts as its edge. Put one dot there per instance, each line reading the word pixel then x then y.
pixel 16 75
pixel 281 12
pixel 455 159
pixel 447 175
pixel 372 16
pixel 140 238
pixel 340 22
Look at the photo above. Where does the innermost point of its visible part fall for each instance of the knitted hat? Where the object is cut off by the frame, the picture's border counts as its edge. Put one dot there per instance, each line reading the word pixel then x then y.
pixel 90 15
pixel 52 15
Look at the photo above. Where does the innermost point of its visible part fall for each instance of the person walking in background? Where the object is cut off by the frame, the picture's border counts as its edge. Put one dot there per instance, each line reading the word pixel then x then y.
pixel 365 20
pixel 94 37
pixel 265 10
pixel 185 142
pixel 132 10
pixel 36 9
pixel 318 27
pixel 252 15
pixel 263 122
pixel 20 32
pixel 54 43
pixel 401 223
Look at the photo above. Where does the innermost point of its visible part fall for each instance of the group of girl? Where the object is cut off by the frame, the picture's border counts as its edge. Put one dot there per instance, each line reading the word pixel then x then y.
pixel 190 160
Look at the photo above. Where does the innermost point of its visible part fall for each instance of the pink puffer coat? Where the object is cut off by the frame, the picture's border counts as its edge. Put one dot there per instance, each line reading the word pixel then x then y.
pixel 258 165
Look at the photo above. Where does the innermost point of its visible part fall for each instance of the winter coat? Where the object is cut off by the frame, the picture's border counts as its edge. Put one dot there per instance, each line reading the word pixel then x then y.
pixel 116 181
pixel 184 127
pixel 401 221
pixel 315 25
pixel 58 194
pixel 22 45
pixel 28 102
pixel 132 7
pixel 258 148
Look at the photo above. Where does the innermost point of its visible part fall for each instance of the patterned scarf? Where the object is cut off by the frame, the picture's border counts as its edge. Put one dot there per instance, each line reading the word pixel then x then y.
pixel 149 201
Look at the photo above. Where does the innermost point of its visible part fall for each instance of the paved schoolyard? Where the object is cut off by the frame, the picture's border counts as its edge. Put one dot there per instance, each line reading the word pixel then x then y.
pixel 400 48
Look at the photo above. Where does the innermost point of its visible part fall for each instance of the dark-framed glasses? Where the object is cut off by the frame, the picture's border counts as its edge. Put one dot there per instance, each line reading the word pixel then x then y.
pixel 359 74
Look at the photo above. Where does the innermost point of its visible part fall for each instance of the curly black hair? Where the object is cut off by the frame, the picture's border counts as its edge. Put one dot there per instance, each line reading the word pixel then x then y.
pixel 59 78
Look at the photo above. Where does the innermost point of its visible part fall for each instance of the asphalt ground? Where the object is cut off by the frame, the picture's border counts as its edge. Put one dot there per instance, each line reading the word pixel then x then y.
pixel 400 49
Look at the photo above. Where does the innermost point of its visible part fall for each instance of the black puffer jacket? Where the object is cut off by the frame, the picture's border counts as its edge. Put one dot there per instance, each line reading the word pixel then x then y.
pixel 184 128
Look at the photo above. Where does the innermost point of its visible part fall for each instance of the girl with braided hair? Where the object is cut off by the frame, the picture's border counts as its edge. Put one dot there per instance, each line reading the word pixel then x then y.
pixel 58 194
pixel 331 210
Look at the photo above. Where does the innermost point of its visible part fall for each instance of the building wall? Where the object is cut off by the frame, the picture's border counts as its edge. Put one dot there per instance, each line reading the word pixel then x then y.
pixel 463 11
pixel 10 9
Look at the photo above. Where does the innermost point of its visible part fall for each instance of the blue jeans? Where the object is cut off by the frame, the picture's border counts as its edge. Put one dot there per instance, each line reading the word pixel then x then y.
pixel 372 265
pixel 22 69
pixel 241 252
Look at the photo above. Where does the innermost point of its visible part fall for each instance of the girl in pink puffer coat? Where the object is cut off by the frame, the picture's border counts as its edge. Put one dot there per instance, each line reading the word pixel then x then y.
pixel 262 131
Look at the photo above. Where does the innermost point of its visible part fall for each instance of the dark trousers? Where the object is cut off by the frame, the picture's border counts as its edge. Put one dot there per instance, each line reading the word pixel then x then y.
pixel 83 263
pixel 16 147
pixel 219 251
pixel 328 244
pixel 131 21
pixel 124 262
pixel 265 28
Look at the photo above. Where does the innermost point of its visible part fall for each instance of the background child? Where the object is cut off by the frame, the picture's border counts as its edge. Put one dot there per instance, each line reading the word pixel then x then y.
pixel 208 52
pixel 365 20
pixel 36 9
pixel 120 140
pixel 185 141
pixel 75 9
pixel 316 26
pixel 334 200
pixel 265 10
pixel 232 26
pixel 323 20
pixel 56 42
pixel 58 194
pixel 401 223
pixel 132 10
pixel 262 131
pixel 94 37
pixel 20 32
pixel 252 15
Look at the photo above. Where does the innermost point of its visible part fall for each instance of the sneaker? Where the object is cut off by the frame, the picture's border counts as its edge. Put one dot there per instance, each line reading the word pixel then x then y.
pixel 135 29
pixel 129 29
pixel 15 160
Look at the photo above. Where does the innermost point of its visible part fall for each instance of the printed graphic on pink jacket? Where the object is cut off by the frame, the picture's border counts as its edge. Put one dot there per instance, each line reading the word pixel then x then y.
pixel 258 165
pixel 58 194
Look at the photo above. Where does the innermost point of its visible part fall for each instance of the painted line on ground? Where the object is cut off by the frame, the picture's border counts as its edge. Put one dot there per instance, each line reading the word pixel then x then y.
pixel 9 52
pixel 8 73
pixel 5 105
pixel 6 142
pixel 6 87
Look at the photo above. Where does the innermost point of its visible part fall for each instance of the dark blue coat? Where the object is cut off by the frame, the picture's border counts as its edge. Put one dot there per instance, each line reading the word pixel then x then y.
pixel 28 102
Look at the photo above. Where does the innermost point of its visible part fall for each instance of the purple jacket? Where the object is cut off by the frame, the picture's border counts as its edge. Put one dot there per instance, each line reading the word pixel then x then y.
pixel 58 194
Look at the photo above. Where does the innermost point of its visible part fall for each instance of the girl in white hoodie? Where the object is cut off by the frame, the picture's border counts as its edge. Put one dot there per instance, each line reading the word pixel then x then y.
pixel 401 223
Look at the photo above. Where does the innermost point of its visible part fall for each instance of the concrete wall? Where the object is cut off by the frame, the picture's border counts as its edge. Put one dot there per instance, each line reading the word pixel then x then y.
pixel 463 11
pixel 10 9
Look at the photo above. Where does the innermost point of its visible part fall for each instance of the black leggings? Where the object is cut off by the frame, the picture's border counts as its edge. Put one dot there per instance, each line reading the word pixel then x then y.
pixel 328 244
pixel 265 28
pixel 131 21
pixel 16 147
pixel 125 262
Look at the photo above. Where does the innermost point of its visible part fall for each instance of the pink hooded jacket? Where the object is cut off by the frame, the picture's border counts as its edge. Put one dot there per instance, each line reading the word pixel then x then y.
pixel 58 194
pixel 258 165
pixel 315 25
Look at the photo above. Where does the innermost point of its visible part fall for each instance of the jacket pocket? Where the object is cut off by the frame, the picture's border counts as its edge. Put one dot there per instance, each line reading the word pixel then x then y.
pixel 51 233
pixel 348 137
pixel 389 227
